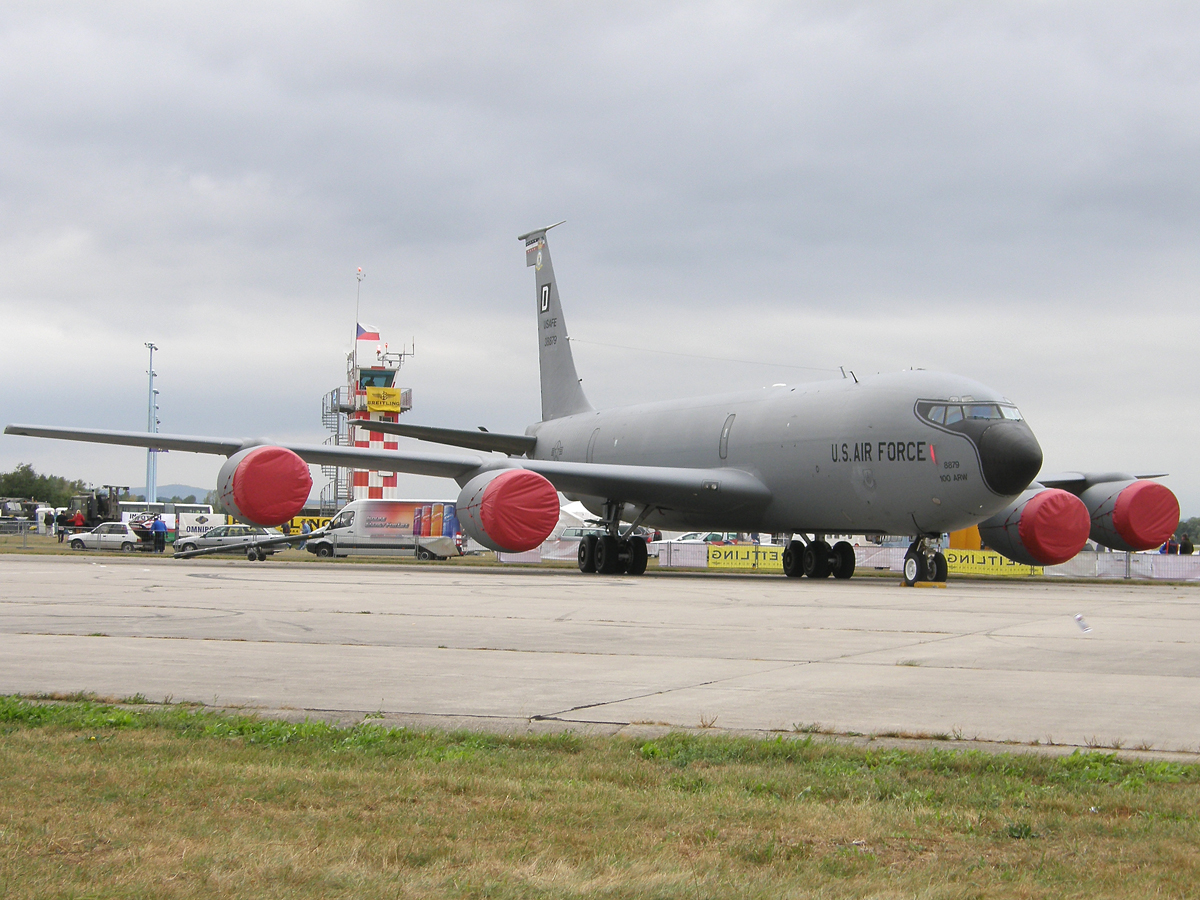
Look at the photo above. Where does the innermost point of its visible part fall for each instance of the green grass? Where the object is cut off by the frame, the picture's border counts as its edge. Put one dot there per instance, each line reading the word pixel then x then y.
pixel 143 800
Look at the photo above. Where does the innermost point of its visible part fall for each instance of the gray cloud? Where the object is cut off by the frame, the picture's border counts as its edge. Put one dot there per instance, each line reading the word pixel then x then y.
pixel 1009 192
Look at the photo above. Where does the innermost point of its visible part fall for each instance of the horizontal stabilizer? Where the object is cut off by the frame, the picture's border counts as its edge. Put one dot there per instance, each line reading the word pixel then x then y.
pixel 512 444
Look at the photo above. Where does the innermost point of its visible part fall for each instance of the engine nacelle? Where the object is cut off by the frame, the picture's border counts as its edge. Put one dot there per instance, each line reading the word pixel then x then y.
pixel 264 485
pixel 1042 527
pixel 1131 515
pixel 508 509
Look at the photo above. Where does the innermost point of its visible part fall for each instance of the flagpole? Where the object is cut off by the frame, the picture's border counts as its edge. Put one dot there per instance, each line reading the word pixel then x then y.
pixel 360 275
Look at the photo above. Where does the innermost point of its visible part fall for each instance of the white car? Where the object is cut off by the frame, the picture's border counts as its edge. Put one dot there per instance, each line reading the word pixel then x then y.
pixel 705 537
pixel 107 536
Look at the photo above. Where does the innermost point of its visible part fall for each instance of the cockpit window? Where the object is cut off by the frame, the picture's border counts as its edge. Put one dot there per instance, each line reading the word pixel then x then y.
pixel 982 411
pixel 939 412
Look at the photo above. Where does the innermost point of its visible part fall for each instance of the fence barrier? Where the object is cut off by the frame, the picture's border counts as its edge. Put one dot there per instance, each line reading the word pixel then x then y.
pixel 745 557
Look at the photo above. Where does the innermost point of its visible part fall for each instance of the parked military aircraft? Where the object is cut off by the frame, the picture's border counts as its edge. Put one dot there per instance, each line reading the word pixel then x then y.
pixel 916 452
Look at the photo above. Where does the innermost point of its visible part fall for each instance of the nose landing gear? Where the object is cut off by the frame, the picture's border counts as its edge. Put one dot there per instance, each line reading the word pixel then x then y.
pixel 923 563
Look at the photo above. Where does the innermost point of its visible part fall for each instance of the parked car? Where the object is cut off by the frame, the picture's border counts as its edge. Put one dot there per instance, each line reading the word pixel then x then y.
pixel 575 534
pixel 233 535
pixel 706 537
pixel 107 536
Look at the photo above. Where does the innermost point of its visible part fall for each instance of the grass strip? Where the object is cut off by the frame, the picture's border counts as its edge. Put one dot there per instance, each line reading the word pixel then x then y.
pixel 141 800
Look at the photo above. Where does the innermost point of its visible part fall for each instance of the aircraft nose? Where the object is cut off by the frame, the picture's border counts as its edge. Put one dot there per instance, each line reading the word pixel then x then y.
pixel 1010 456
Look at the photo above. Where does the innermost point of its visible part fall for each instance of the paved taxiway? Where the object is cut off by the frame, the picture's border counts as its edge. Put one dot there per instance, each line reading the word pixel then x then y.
pixel 995 661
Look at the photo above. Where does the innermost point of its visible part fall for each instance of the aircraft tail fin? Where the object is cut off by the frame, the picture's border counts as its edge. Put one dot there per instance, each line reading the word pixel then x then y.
pixel 562 394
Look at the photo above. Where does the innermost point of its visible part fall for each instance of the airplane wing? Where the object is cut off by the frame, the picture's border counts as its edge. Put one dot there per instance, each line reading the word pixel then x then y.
pixel 1076 482
pixel 665 486
pixel 449 465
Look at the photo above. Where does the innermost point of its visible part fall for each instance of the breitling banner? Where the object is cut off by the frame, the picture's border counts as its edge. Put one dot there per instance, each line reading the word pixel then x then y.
pixel 986 562
pixel 745 556
pixel 383 399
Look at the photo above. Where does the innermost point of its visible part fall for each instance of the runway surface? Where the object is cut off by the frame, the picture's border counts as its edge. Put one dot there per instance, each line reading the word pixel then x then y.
pixel 460 646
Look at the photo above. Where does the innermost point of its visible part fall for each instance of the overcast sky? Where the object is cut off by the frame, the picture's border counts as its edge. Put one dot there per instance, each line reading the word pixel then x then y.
pixel 1008 191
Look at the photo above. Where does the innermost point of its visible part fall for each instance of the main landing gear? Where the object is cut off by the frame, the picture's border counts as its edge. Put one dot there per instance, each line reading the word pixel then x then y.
pixel 923 563
pixel 817 559
pixel 616 552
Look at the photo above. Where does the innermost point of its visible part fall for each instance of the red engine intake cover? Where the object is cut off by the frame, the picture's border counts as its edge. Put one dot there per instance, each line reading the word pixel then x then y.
pixel 515 509
pixel 1054 526
pixel 1146 514
pixel 267 485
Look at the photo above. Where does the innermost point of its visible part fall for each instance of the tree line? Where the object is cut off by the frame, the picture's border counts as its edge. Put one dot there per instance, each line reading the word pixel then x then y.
pixel 54 490
pixel 1190 527
pixel 24 482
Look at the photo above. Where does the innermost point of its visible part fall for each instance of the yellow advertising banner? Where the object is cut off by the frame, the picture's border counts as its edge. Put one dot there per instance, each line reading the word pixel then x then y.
pixel 745 556
pixel 383 399
pixel 985 562
pixel 314 522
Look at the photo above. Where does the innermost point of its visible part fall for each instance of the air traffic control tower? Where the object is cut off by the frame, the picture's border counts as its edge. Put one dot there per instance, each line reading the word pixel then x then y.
pixel 369 395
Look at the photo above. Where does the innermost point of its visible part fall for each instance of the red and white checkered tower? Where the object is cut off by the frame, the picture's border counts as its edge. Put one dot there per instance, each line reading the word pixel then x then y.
pixel 369 395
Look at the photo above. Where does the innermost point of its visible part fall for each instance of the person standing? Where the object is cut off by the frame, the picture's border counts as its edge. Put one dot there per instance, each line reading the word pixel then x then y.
pixel 77 521
pixel 1185 546
pixel 159 530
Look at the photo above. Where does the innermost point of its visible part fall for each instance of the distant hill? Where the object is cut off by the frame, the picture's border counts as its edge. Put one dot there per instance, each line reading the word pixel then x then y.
pixel 175 490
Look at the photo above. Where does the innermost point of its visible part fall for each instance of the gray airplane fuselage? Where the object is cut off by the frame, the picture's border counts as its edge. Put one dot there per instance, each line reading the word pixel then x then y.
pixel 840 456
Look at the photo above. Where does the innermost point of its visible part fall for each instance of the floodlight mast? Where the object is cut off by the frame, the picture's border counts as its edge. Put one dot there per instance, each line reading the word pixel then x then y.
pixel 152 427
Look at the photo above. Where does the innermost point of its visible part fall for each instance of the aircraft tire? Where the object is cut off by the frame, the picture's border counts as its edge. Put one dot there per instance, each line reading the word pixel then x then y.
pixel 262 555
pixel 816 559
pixel 587 553
pixel 793 559
pixel 607 559
pixel 940 569
pixel 843 555
pixel 914 568
pixel 638 557
pixel 252 555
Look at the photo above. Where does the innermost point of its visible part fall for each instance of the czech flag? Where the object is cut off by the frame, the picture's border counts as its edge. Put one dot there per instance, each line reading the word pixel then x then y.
pixel 367 333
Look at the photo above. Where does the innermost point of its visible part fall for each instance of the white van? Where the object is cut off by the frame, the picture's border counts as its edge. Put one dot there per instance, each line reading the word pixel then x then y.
pixel 426 530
